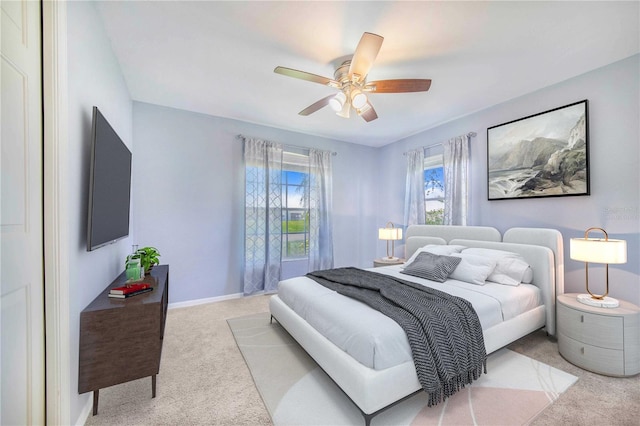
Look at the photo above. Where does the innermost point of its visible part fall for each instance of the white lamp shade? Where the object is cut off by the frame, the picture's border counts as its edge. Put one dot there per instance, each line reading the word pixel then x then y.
pixel 598 250
pixel 346 107
pixel 337 102
pixel 389 233
pixel 358 99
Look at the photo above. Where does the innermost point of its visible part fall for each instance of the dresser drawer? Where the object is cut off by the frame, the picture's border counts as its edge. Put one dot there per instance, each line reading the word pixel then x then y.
pixel 592 329
pixel 593 358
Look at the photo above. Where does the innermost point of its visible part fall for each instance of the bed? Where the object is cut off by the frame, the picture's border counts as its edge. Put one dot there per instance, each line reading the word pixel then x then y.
pixel 363 351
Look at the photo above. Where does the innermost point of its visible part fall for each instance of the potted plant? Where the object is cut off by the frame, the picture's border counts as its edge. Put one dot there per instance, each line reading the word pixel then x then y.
pixel 148 256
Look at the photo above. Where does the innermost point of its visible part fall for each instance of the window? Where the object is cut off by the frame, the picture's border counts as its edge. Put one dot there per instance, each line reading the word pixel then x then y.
pixel 295 205
pixel 434 189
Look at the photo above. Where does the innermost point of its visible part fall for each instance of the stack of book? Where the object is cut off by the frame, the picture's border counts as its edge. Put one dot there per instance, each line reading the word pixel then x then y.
pixel 130 290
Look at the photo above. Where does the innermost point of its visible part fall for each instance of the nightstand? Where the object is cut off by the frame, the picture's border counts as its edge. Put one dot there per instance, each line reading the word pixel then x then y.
pixel 602 340
pixel 384 262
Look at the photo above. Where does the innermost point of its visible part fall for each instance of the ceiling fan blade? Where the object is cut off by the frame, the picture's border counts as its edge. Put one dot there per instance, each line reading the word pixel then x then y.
pixel 398 86
pixel 303 75
pixel 316 106
pixel 365 55
pixel 368 113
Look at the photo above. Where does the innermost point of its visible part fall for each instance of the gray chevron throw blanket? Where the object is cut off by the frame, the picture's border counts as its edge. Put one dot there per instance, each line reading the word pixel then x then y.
pixel 444 331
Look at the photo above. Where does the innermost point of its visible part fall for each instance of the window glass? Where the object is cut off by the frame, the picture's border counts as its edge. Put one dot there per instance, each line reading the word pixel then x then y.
pixel 434 189
pixel 295 205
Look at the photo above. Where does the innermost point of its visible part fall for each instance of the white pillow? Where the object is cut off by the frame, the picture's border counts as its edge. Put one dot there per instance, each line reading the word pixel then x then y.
pixel 511 271
pixel 473 269
pixel 441 250
pixel 511 268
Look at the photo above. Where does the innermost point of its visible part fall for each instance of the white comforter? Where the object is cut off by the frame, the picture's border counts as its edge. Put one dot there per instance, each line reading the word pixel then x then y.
pixel 377 341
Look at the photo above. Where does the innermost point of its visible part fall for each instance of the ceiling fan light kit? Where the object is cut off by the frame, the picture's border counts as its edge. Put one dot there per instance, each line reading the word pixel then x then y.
pixel 358 99
pixel 337 102
pixel 351 80
pixel 344 112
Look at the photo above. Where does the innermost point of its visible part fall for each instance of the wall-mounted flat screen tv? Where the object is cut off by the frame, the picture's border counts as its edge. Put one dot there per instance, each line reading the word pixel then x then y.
pixel 110 185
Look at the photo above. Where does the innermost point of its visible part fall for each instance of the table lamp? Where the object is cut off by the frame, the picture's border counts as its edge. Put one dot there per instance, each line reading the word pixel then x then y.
pixel 390 234
pixel 598 250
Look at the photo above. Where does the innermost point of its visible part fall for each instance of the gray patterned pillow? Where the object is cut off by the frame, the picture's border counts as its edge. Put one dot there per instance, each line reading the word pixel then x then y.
pixel 432 266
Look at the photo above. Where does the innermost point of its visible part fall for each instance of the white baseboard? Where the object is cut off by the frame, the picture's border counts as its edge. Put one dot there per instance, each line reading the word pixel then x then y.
pixel 204 301
pixel 85 411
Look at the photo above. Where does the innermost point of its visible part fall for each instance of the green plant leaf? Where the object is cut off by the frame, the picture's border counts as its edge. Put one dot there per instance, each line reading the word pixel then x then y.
pixel 148 256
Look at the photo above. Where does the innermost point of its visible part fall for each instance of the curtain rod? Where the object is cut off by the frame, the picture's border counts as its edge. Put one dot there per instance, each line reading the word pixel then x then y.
pixel 470 134
pixel 292 146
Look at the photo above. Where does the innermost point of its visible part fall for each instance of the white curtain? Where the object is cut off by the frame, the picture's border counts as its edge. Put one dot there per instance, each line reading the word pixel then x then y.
pixel 263 215
pixel 456 173
pixel 320 222
pixel 414 206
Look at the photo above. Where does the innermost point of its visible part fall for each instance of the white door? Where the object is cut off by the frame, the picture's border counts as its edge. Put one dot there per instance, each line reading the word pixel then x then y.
pixel 21 216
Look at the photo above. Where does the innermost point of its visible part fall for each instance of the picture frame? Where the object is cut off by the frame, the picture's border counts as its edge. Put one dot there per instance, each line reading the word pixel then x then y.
pixel 541 155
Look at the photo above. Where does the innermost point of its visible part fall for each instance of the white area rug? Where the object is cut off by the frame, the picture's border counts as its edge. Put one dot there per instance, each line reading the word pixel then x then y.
pixel 297 392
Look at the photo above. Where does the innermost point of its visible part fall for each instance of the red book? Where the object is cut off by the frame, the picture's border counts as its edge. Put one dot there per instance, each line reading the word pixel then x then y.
pixel 135 293
pixel 131 288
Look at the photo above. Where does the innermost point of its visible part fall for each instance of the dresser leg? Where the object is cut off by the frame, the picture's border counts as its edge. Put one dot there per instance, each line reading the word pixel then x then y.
pixel 96 393
pixel 153 386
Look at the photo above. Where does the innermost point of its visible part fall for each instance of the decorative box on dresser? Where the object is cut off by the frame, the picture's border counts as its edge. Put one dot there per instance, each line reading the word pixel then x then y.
pixel 121 339
pixel 602 340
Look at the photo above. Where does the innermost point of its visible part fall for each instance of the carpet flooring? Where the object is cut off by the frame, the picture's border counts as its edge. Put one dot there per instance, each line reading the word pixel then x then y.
pixel 297 392
pixel 204 379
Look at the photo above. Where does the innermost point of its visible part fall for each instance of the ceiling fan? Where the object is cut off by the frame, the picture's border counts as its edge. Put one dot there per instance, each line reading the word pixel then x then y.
pixel 351 80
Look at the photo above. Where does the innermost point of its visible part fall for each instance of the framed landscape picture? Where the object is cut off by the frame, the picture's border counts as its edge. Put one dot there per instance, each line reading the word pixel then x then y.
pixel 542 155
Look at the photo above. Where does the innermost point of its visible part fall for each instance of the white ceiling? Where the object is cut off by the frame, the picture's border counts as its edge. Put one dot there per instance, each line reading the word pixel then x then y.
pixel 217 58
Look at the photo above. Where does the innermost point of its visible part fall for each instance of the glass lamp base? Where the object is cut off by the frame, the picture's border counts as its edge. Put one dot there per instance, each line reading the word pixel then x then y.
pixel 606 302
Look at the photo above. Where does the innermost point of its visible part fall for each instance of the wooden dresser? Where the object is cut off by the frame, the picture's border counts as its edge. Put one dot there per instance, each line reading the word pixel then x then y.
pixel 121 339
pixel 602 340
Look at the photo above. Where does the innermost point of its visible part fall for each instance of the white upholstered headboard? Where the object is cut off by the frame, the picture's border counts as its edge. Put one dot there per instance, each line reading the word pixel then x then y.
pixel 541 247
pixel 551 238
pixel 420 235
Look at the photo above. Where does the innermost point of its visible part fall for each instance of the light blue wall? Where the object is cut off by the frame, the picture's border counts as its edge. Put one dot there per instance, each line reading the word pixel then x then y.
pixel 94 78
pixel 190 205
pixel 614 204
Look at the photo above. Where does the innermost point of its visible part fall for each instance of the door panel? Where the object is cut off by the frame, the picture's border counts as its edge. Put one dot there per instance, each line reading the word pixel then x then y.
pixel 14 147
pixel 21 216
pixel 15 368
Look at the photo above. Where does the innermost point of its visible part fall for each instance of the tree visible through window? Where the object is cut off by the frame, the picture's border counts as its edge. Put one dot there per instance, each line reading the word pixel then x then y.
pixel 295 206
pixel 434 189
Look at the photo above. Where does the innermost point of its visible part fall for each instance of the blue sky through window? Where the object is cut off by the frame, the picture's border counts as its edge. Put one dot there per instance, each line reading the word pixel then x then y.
pixel 292 178
pixel 434 183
